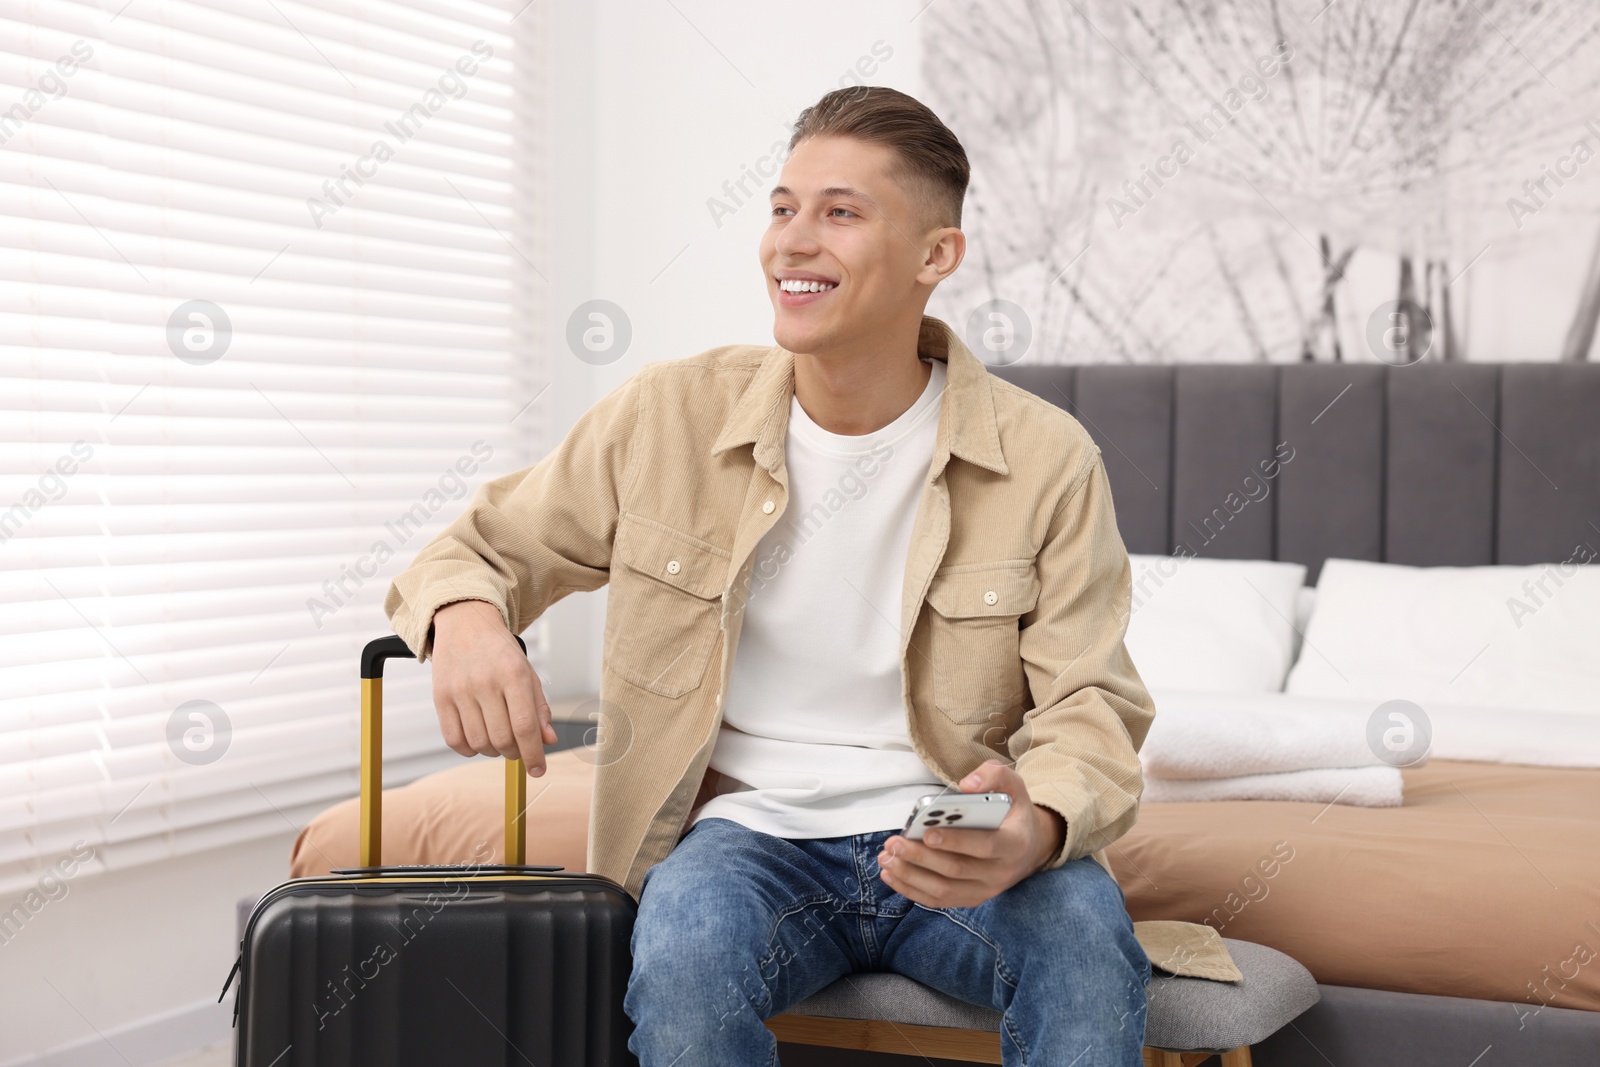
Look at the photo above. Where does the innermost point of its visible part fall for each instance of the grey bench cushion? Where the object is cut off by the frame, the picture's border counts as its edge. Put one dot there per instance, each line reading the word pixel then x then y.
pixel 1186 1014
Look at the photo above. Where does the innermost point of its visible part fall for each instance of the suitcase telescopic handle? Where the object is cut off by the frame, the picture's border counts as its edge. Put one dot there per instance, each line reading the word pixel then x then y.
pixel 373 658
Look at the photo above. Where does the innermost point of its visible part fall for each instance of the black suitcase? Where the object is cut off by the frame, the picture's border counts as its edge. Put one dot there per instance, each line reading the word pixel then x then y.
pixel 398 966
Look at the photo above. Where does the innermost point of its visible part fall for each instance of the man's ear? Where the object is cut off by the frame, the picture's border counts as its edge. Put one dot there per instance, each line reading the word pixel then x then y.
pixel 947 248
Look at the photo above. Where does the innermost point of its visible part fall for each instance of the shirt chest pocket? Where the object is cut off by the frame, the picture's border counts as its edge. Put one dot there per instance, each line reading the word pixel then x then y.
pixel 664 611
pixel 974 638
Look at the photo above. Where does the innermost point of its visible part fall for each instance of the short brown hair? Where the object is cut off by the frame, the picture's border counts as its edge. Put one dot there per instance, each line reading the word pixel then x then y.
pixel 932 162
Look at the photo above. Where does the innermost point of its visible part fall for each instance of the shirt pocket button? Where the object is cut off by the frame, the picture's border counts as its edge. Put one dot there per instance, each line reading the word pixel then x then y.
pixel 664 613
pixel 974 638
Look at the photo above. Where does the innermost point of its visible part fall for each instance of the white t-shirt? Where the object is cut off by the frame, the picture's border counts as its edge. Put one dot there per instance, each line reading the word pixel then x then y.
pixel 814 729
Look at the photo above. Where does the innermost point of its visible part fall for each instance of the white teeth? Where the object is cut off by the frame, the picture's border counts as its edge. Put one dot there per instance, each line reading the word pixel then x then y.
pixel 795 286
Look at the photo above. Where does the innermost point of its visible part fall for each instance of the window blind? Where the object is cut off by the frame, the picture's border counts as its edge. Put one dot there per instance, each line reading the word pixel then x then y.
pixel 269 316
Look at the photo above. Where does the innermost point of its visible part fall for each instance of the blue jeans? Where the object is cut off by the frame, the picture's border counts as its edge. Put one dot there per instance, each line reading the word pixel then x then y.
pixel 736 926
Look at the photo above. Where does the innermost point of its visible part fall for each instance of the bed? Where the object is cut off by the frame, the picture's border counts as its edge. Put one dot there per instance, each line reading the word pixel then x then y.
pixel 1462 927
pixel 1463 924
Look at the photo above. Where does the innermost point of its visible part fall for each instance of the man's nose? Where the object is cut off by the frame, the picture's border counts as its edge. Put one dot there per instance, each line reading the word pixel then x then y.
pixel 798 236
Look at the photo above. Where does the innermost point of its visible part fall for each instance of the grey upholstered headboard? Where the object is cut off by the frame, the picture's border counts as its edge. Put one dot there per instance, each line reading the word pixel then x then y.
pixel 1429 464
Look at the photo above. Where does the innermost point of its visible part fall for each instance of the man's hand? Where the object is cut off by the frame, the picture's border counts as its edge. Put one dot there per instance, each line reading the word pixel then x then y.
pixel 487 694
pixel 964 868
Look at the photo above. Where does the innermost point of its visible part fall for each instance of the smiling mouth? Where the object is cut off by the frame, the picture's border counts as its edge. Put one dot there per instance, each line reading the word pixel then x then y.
pixel 798 286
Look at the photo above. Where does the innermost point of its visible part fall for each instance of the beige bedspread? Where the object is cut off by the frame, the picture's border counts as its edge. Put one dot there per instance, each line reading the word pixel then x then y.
pixel 1484 884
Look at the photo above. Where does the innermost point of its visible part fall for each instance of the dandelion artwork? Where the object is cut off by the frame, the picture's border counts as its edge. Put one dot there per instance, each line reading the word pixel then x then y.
pixel 1275 180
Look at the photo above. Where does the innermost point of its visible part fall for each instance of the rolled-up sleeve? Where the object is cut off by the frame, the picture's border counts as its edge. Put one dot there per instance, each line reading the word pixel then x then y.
pixel 528 538
pixel 1078 747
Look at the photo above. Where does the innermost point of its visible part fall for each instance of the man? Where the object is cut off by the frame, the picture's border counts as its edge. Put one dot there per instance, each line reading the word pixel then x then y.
pixel 919 568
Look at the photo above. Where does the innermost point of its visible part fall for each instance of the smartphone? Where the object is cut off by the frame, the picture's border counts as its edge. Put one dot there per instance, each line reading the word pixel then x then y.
pixel 966 811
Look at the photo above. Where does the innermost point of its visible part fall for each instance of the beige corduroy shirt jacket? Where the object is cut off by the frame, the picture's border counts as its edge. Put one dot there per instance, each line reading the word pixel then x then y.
pixel 1014 603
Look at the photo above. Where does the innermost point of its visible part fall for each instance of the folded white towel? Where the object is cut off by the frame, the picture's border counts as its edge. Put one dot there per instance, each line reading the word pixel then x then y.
pixel 1367 787
pixel 1460 731
pixel 1221 735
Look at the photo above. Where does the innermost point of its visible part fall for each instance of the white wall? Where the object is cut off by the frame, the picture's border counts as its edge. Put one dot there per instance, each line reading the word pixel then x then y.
pixel 91 968
pixel 567 260
pixel 650 112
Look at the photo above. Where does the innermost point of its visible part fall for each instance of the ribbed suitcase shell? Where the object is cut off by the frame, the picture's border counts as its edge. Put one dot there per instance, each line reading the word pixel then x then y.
pixel 433 968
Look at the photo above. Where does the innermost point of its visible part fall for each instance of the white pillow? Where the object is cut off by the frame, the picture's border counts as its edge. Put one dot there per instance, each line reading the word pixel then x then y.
pixel 1213 625
pixel 1305 602
pixel 1489 636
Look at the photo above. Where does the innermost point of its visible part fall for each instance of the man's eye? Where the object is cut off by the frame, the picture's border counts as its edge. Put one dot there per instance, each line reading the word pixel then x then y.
pixel 846 210
pixel 779 210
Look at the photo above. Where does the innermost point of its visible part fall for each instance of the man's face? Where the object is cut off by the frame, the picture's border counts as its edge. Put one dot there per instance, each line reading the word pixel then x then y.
pixel 840 219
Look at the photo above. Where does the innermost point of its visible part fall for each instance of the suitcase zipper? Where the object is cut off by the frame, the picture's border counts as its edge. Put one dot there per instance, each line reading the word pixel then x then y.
pixel 237 966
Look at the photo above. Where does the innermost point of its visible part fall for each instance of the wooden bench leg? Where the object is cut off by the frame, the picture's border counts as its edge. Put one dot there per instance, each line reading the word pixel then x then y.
pixel 1154 1057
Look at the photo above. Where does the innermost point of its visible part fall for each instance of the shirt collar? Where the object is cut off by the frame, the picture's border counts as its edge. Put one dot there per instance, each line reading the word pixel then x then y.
pixel 967 426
